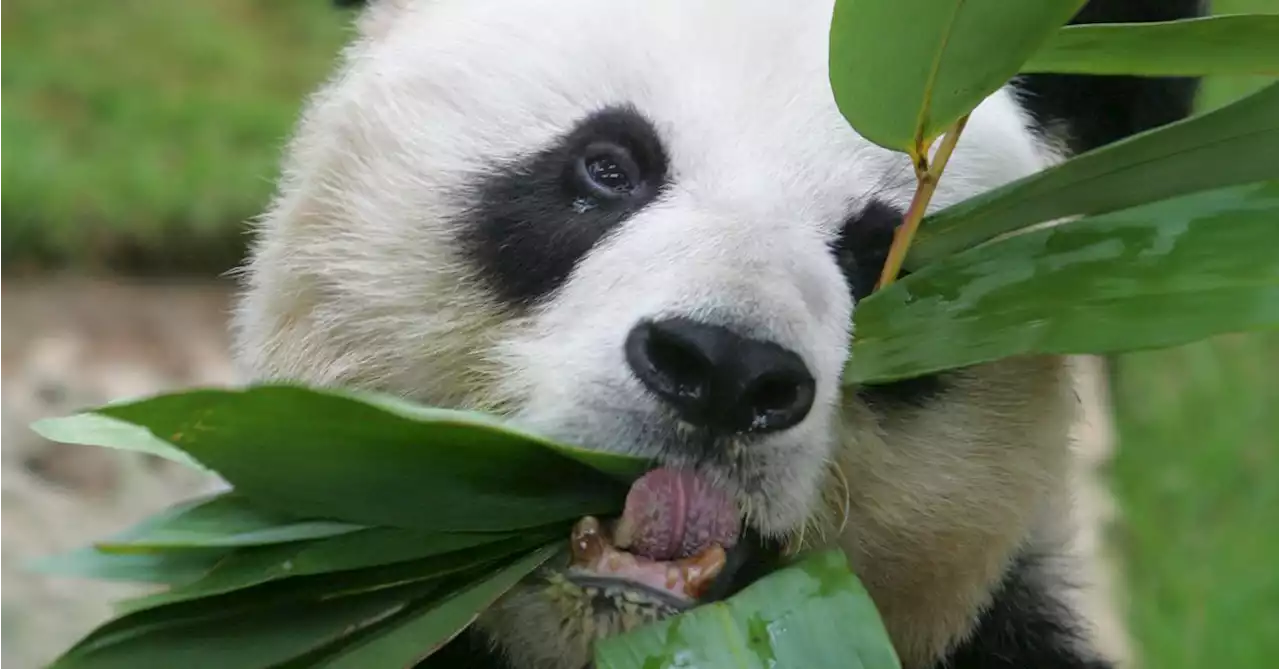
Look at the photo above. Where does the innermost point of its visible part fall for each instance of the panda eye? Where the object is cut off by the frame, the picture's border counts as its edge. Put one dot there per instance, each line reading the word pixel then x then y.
pixel 608 171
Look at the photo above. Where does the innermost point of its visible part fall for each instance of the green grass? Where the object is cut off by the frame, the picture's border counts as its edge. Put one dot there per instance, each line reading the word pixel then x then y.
pixel 150 130
pixel 1195 475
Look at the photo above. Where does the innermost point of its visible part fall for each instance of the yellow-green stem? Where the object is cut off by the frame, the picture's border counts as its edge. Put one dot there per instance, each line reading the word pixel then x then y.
pixel 927 175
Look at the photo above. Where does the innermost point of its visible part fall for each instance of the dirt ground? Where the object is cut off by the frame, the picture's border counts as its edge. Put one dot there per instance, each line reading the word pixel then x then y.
pixel 66 345
pixel 72 343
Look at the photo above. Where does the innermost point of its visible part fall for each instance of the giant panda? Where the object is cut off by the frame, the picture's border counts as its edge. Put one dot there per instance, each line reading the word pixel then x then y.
pixel 644 227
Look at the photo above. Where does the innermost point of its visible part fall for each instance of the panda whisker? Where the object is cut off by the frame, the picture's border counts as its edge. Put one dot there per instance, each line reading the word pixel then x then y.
pixel 846 494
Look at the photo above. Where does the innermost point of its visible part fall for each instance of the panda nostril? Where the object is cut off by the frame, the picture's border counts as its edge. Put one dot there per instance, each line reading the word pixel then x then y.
pixel 779 399
pixel 773 392
pixel 682 368
pixel 671 366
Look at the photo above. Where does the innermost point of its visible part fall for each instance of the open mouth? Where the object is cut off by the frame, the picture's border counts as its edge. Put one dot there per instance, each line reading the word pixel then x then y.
pixel 667 550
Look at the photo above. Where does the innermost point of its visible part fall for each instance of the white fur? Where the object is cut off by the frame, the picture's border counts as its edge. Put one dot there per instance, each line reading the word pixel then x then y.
pixel 357 277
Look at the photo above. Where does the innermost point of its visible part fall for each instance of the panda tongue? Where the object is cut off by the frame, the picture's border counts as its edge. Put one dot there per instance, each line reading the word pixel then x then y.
pixel 674 513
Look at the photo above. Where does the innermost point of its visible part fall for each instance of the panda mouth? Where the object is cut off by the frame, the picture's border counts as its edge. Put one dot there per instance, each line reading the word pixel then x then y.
pixel 677 584
pixel 669 546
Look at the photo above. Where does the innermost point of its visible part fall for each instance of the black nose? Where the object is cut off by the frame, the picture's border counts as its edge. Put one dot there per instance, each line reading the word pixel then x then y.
pixel 716 378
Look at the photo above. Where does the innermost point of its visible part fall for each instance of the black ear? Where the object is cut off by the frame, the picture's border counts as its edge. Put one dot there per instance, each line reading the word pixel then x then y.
pixel 344 4
pixel 1098 110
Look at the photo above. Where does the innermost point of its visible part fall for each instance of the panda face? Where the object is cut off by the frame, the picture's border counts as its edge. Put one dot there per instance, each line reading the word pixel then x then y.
pixel 638 227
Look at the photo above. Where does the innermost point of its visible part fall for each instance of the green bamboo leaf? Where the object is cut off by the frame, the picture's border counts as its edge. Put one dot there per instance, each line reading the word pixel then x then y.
pixel 212 605
pixel 224 520
pixel 96 429
pixel 159 568
pixel 339 456
pixel 255 639
pixel 622 467
pixel 813 614
pixel 902 71
pixel 1232 44
pixel 388 545
pixel 320 656
pixel 410 555
pixel 1157 275
pixel 237 570
pixel 416 637
pixel 1232 145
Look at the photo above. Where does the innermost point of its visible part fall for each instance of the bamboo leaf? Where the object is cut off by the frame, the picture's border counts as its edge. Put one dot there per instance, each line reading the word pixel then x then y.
pixel 623 468
pixel 413 556
pixel 254 639
pixel 224 520
pixel 160 568
pixel 813 615
pixel 414 638
pixel 1232 44
pixel 902 71
pixel 1157 275
pixel 150 615
pixel 97 429
pixel 1232 145
pixel 320 454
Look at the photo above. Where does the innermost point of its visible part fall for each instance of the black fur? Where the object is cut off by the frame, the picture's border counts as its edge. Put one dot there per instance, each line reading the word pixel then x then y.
pixel 469 650
pixel 860 250
pixel 1098 110
pixel 1026 626
pixel 531 222
pixel 863 245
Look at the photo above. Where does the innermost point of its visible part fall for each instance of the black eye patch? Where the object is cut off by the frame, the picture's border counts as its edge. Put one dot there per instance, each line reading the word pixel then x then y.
pixel 863 245
pixel 860 250
pixel 531 221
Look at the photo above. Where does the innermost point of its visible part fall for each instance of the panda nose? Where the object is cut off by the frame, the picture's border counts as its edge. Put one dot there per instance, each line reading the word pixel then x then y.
pixel 718 379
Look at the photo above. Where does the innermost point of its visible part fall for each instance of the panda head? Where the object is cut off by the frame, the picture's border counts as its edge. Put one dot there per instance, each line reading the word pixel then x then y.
pixel 645 227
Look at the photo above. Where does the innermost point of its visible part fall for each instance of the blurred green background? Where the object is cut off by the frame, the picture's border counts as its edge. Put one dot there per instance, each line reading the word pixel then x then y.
pixel 139 135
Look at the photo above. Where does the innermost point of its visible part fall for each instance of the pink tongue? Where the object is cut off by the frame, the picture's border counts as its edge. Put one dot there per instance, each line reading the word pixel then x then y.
pixel 672 514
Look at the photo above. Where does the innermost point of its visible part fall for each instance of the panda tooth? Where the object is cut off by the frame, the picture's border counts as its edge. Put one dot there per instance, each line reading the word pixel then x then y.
pixel 700 570
pixel 632 596
pixel 623 532
pixel 631 609
pixel 586 542
pixel 674 573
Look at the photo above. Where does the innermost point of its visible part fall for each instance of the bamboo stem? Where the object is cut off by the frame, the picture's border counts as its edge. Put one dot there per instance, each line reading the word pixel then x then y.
pixel 927 176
